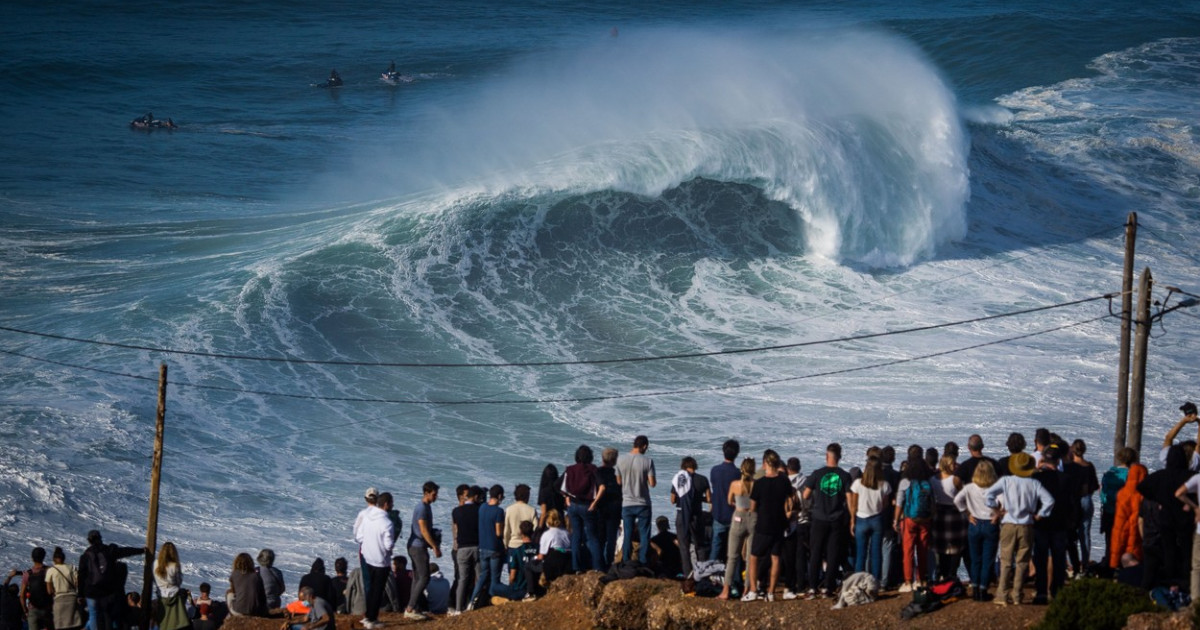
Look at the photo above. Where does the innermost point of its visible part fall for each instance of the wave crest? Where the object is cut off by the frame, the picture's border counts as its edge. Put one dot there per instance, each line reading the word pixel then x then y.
pixel 855 131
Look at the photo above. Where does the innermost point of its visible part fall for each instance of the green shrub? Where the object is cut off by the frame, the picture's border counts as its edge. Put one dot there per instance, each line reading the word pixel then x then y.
pixel 1094 604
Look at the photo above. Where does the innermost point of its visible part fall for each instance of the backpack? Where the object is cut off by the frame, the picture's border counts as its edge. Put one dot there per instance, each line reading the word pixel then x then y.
pixel 99 569
pixel 35 589
pixel 918 500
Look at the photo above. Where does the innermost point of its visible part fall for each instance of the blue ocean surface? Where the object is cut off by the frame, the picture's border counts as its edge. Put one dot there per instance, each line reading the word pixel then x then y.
pixel 445 275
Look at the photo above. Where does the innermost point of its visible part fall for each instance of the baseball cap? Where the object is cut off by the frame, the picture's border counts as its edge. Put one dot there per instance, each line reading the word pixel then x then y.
pixel 371 493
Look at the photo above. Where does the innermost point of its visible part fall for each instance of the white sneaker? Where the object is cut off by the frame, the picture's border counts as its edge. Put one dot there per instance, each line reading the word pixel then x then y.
pixel 453 613
pixel 905 588
pixel 364 623
pixel 750 596
pixel 770 597
pixel 788 595
pixel 412 614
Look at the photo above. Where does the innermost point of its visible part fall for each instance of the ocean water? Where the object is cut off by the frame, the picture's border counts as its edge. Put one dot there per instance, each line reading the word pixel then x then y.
pixel 564 185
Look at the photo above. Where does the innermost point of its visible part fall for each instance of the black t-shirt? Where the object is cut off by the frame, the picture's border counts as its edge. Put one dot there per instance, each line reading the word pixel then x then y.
pixel 770 495
pixel 700 488
pixel 612 489
pixel 670 560
pixel 829 486
pixel 466 522
pixel 966 468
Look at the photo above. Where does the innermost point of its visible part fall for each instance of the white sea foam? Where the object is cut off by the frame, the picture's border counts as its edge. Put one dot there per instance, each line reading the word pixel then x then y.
pixel 854 130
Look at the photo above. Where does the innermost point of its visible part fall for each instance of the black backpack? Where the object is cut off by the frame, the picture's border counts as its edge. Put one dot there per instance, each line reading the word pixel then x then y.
pixel 99 569
pixel 35 589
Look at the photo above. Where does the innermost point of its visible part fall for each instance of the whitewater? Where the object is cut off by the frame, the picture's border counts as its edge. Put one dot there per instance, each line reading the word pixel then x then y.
pixel 448 274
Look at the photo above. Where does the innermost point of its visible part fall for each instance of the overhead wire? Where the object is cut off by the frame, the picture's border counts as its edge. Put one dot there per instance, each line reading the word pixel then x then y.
pixel 512 364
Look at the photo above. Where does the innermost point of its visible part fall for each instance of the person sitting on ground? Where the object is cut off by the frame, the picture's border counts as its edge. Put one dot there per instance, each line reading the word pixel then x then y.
pixel 518 558
pixel 341 583
pixel 246 595
pixel 320 613
pixel 272 579
pixel 133 612
pixel 666 548
pixel 322 585
pixel 515 514
pixel 437 591
pixel 554 548
pixel 206 616
pixel 399 585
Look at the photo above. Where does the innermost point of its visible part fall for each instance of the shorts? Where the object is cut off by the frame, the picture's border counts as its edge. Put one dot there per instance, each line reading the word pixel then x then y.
pixel 766 544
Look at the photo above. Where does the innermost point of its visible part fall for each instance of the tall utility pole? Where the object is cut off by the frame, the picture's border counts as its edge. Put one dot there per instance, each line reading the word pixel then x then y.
pixel 1141 343
pixel 1126 320
pixel 155 472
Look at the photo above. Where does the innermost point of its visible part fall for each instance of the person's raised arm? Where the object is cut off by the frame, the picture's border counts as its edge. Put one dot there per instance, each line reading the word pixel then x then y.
pixel 1170 438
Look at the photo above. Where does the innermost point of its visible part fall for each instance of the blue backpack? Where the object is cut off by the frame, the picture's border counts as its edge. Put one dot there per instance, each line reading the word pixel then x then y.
pixel 918 500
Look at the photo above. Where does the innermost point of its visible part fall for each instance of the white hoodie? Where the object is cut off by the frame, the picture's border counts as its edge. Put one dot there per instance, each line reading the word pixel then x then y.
pixel 375 538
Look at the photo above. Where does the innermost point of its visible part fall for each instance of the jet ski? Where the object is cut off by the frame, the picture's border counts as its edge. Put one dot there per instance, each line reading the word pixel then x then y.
pixel 392 77
pixel 334 80
pixel 149 122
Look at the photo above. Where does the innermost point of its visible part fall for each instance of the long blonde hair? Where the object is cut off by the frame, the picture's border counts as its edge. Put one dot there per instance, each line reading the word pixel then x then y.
pixel 946 466
pixel 747 474
pixel 167 555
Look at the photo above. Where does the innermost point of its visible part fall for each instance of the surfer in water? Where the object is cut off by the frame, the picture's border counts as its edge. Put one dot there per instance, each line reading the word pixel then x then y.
pixel 335 79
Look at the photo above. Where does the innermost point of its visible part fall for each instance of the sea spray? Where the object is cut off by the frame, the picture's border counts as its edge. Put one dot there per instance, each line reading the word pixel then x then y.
pixel 854 130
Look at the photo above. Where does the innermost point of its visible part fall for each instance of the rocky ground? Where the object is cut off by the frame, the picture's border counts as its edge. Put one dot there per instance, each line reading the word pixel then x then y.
pixel 581 602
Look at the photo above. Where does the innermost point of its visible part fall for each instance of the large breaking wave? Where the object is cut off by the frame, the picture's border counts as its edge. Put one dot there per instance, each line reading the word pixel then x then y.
pixel 855 131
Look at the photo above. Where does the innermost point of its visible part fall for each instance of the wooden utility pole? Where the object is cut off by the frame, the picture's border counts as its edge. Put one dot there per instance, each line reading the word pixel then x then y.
pixel 1141 342
pixel 1126 321
pixel 155 472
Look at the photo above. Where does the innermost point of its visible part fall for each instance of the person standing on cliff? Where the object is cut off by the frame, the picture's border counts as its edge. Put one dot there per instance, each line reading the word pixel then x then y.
pixel 635 473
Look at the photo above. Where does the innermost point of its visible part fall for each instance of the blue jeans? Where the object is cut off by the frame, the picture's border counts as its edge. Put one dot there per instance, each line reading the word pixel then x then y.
pixel 639 514
pixel 868 534
pixel 719 540
pixel 1086 509
pixel 983 539
pixel 583 532
pixel 491 565
pixel 91 611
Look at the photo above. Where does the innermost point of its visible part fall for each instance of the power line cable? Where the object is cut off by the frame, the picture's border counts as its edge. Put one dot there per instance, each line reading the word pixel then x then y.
pixel 577 399
pixel 1162 239
pixel 686 355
